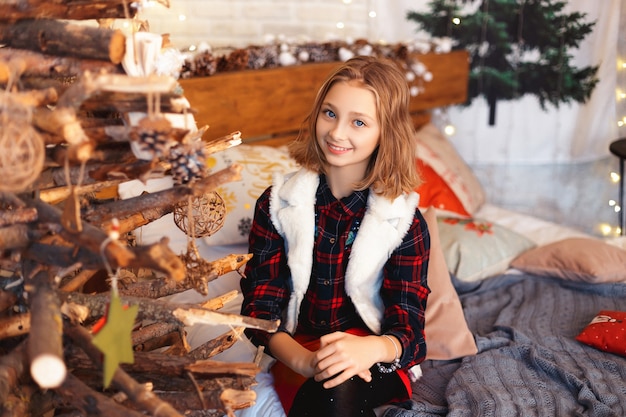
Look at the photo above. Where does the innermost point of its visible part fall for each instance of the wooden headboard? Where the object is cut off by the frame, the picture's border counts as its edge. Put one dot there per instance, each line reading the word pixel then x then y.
pixel 268 105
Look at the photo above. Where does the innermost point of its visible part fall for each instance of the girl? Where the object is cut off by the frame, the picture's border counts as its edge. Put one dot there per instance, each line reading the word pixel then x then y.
pixel 340 251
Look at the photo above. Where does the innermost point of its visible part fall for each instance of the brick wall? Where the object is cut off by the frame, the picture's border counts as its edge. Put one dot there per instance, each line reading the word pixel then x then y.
pixel 242 22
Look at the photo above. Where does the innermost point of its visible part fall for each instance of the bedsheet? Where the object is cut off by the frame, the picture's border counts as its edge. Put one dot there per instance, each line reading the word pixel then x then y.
pixel 529 363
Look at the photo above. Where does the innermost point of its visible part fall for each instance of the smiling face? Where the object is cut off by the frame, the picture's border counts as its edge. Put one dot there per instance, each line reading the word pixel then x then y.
pixel 347 128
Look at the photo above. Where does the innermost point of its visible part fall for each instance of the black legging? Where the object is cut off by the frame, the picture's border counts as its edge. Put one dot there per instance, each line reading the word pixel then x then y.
pixel 354 397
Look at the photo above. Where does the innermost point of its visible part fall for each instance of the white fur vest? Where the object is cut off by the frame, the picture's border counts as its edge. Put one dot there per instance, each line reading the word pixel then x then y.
pixel 292 208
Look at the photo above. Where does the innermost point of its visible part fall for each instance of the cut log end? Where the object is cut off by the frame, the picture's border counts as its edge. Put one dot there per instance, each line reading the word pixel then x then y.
pixel 48 370
pixel 117 47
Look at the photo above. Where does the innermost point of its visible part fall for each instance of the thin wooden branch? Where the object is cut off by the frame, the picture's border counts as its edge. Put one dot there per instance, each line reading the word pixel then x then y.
pixel 158 256
pixel 80 279
pixel 161 287
pixel 180 314
pixel 220 301
pixel 209 367
pixel 58 194
pixel 224 142
pixel 217 345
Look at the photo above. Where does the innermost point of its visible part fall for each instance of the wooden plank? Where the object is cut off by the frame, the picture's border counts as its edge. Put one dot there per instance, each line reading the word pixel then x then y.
pixel 269 102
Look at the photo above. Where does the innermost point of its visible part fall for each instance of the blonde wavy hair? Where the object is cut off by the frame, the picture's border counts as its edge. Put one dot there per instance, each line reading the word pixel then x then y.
pixel 391 170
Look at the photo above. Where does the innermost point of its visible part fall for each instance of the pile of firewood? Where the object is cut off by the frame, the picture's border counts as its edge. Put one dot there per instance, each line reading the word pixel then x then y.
pixel 65 236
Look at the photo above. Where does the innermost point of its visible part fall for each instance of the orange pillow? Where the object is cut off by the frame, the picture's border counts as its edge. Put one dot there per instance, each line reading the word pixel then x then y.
pixel 435 150
pixel 606 332
pixel 435 192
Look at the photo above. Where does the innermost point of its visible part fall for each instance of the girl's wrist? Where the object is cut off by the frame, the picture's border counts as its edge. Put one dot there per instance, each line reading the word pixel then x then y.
pixel 394 364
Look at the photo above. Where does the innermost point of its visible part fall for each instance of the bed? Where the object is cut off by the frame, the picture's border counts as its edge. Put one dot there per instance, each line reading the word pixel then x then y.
pixel 529 317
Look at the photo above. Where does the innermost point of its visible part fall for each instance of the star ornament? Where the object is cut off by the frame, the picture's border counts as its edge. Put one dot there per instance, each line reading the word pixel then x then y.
pixel 114 338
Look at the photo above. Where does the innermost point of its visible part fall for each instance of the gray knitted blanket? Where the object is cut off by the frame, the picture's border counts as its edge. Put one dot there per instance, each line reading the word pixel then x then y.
pixel 529 363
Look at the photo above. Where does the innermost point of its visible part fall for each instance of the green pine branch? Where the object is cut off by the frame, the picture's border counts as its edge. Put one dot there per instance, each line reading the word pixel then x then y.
pixel 516 47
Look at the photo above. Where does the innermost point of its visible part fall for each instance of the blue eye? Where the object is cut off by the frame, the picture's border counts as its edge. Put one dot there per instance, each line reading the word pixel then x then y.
pixel 330 113
pixel 359 123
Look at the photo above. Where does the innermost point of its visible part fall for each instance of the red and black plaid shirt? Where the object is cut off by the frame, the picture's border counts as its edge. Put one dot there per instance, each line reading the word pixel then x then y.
pixel 326 307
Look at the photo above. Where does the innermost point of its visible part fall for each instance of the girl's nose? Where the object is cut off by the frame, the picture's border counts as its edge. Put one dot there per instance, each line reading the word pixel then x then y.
pixel 338 132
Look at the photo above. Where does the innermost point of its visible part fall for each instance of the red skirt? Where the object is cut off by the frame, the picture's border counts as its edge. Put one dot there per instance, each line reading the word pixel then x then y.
pixel 287 382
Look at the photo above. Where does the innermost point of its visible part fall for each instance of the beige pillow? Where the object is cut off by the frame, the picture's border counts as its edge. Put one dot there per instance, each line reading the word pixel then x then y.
pixel 447 334
pixel 436 151
pixel 577 259
pixel 259 163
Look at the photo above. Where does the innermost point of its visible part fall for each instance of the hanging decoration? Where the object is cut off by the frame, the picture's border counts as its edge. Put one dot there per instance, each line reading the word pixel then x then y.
pixel 200 216
pixel 113 332
pixel 22 150
pixel 516 47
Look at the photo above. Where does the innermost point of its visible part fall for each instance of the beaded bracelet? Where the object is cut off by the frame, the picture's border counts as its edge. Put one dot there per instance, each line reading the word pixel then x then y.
pixel 393 366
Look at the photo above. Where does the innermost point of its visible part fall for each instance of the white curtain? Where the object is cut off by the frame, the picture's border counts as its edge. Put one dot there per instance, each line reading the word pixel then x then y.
pixel 524 133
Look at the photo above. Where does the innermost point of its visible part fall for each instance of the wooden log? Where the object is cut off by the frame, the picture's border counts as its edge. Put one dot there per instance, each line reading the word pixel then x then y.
pixel 14 237
pixel 32 98
pixel 45 345
pixel 7 300
pixel 17 215
pixel 135 101
pixel 13 326
pixel 136 392
pixel 157 204
pixel 55 37
pixel 92 403
pixel 12 367
pixel 35 64
pixel 151 331
pixel 68 9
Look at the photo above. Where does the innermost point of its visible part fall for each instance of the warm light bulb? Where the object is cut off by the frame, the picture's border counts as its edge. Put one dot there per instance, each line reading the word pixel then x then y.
pixel 340 25
pixel 614 177
pixel 612 203
pixel 449 130
pixel 617 208
pixel 372 13
pixel 605 229
pixel 182 17
pixel 192 48
pixel 456 20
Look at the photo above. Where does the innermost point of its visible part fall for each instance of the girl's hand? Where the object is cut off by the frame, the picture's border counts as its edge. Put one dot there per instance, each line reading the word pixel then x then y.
pixel 343 355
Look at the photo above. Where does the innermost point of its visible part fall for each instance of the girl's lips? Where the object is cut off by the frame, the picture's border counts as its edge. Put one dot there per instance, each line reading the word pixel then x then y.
pixel 336 149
